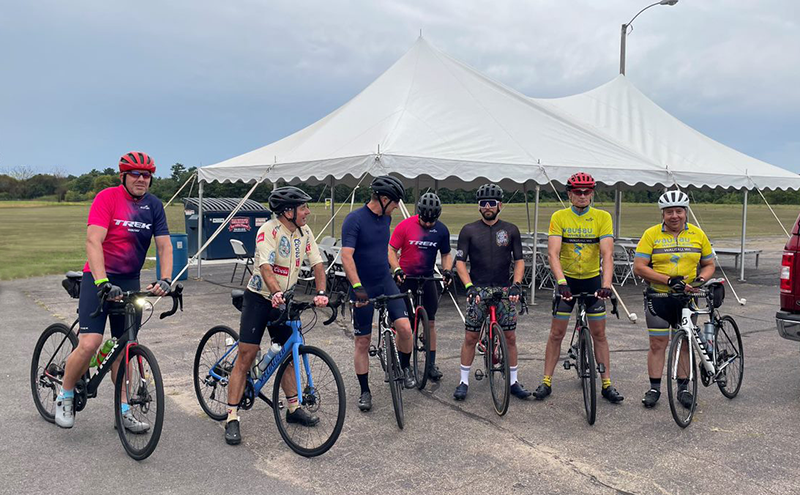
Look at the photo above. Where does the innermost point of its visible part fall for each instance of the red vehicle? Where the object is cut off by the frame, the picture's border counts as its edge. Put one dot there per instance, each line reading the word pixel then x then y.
pixel 788 318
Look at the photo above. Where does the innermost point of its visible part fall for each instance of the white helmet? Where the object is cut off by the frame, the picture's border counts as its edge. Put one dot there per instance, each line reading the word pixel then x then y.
pixel 672 199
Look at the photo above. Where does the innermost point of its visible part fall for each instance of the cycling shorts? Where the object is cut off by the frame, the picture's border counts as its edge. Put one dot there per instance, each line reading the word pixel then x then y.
pixel 430 296
pixel 661 313
pixel 362 317
pixel 477 313
pixel 257 314
pixel 88 303
pixel 595 307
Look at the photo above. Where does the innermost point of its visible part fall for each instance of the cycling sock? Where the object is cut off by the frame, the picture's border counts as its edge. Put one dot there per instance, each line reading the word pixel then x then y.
pixel 292 403
pixel 405 359
pixel 233 413
pixel 606 383
pixel 513 370
pixel 67 394
pixel 465 374
pixel 124 407
pixel 548 380
pixel 363 380
pixel 433 358
pixel 655 384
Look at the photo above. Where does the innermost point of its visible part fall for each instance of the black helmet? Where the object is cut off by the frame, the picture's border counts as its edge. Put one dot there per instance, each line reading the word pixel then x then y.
pixel 429 207
pixel 388 186
pixel 489 191
pixel 286 198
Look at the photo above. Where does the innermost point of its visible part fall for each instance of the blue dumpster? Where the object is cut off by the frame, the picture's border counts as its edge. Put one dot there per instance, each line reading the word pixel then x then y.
pixel 180 256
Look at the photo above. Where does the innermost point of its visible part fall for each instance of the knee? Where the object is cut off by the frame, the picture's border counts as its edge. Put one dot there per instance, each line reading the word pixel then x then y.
pixel 88 344
pixel 471 338
pixel 362 343
pixel 557 334
pixel 511 338
pixel 598 335
pixel 403 327
pixel 658 344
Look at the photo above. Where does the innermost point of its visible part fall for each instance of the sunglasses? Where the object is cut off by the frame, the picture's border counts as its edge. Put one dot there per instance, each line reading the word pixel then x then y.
pixel 136 174
pixel 488 203
pixel 582 192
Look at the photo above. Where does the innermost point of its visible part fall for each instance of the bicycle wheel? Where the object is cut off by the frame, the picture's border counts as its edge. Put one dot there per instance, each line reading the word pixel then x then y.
pixel 730 355
pixel 395 379
pixel 587 371
pixel 325 400
pixel 682 379
pixel 47 367
pixel 422 351
pixel 141 382
pixel 497 369
pixel 212 393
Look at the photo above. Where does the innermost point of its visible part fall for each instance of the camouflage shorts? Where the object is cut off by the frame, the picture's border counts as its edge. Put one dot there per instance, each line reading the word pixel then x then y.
pixel 476 313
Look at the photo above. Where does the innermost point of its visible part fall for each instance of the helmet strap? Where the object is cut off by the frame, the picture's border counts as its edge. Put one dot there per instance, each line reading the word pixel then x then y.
pixel 135 197
pixel 293 219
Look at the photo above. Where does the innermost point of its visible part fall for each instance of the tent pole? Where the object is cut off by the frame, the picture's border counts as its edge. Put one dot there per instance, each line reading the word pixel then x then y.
pixel 535 243
pixel 333 199
pixel 617 211
pixel 744 235
pixel 436 187
pixel 527 211
pixel 416 195
pixel 199 225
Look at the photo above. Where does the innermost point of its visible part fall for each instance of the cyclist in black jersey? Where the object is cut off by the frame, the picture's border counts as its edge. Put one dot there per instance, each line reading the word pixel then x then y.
pixel 491 245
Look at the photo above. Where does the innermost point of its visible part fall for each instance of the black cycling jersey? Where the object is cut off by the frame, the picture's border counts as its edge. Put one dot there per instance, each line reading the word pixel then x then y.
pixel 490 250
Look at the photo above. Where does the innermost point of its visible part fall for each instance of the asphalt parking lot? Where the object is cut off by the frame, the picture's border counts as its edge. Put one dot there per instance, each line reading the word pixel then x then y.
pixel 747 444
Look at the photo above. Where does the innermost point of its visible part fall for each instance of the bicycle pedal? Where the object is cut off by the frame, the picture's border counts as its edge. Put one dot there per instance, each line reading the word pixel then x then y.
pixel 373 351
pixel 479 375
pixel 567 365
pixel 601 368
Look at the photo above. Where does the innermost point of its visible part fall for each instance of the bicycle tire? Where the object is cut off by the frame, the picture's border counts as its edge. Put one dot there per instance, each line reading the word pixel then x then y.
pixel 675 367
pixel 319 401
pixel 498 369
pixel 395 380
pixel 141 445
pixel 46 404
pixel 422 350
pixel 588 374
pixel 729 342
pixel 208 354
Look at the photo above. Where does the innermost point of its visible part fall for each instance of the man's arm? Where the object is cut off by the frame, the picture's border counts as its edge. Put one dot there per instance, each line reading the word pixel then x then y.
pixel 707 268
pixel 349 265
pixel 642 268
pixel 95 235
pixel 519 271
pixel 447 261
pixel 394 262
pixel 554 257
pixel 164 248
pixel 607 258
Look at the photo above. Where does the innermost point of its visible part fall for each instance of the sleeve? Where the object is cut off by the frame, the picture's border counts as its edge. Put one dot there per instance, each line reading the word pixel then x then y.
pixel 555 226
pixel 312 250
pixel 398 236
pixel 705 248
pixel 444 243
pixel 516 244
pixel 350 229
pixel 159 219
pixel 462 249
pixel 265 246
pixel 607 227
pixel 102 210
pixel 645 247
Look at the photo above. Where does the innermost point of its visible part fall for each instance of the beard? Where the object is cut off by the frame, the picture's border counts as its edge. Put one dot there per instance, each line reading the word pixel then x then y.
pixel 489 214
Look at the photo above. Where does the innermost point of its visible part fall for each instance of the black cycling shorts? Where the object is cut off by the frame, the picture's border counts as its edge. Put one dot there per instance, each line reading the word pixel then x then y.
pixel 363 316
pixel 661 313
pixel 430 296
pixel 257 314
pixel 595 307
pixel 88 303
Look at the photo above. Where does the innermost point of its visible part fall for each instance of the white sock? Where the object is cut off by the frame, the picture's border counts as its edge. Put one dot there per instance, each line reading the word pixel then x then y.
pixel 513 370
pixel 465 374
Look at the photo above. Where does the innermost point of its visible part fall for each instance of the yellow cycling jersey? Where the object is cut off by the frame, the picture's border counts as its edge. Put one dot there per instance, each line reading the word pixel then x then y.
pixel 674 256
pixel 285 251
pixel 580 239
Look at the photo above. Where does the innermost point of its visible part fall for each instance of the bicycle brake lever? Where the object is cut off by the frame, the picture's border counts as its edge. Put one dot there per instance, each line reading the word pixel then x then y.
pixel 334 314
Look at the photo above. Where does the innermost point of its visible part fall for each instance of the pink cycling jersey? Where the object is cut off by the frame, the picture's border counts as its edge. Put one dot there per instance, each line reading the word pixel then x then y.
pixel 418 246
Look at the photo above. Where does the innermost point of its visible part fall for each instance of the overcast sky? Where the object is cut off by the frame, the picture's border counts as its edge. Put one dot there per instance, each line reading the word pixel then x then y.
pixel 199 81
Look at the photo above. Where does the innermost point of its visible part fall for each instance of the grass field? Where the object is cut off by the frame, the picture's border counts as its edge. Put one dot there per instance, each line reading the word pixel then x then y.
pixel 40 238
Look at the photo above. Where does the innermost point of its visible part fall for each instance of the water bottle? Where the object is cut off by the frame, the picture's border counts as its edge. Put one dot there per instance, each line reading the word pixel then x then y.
pixel 274 349
pixel 102 353
pixel 255 371
pixel 708 336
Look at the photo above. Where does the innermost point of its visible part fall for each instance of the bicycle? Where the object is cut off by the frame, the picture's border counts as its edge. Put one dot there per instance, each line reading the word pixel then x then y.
pixel 722 359
pixel 319 384
pixel 420 330
pixel 581 352
pixel 386 350
pixel 495 353
pixel 141 384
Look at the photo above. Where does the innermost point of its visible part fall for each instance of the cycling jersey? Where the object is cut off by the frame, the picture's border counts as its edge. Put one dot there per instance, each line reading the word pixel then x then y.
pixel 673 256
pixel 368 234
pixel 580 239
pixel 285 251
pixel 490 250
pixel 418 245
pixel 130 224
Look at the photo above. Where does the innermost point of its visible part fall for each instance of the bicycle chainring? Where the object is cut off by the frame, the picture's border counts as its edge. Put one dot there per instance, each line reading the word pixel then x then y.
pixel 248 397
pixel 80 395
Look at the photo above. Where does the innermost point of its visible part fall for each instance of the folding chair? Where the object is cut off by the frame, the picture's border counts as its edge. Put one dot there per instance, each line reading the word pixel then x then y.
pixel 242 257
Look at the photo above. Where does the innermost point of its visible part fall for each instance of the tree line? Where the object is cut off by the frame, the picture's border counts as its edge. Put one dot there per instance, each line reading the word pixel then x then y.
pixel 24 184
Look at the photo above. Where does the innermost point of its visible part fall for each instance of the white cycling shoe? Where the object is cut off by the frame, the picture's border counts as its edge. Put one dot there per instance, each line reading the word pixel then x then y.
pixel 65 412
pixel 132 424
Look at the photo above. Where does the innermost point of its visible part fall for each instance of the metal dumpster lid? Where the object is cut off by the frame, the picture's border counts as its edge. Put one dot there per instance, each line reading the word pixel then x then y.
pixel 223 204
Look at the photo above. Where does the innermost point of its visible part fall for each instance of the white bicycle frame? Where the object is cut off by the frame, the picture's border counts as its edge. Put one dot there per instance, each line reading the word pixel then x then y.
pixel 693 334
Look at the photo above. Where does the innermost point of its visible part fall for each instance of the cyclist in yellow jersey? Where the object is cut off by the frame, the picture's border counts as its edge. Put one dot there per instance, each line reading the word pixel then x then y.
pixel 580 237
pixel 667 257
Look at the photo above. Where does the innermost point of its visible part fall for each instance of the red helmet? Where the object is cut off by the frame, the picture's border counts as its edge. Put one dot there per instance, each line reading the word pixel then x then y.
pixel 136 160
pixel 581 180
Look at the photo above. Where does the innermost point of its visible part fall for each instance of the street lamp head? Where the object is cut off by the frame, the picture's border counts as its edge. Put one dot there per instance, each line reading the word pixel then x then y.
pixel 668 2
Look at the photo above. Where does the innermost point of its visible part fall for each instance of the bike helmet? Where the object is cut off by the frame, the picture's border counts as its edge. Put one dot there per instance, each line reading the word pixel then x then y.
pixel 581 180
pixel 136 160
pixel 671 199
pixel 286 198
pixel 388 186
pixel 489 191
pixel 429 207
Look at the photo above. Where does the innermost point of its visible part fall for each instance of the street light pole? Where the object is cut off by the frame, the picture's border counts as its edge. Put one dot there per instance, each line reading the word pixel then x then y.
pixel 624 32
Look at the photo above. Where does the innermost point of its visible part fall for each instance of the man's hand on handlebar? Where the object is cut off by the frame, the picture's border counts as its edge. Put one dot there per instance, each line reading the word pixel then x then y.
pixel 473 296
pixel 604 293
pixel 160 287
pixel 277 299
pixel 321 299
pixel 447 277
pixel 514 292
pixel 565 292
pixel 109 291
pixel 361 298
